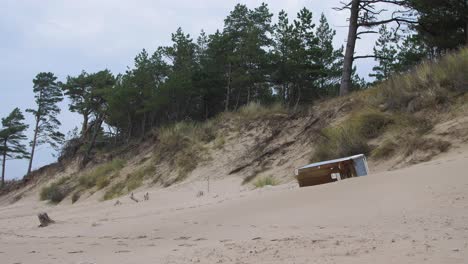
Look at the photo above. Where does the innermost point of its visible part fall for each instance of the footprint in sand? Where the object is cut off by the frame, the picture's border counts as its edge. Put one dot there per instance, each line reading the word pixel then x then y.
pixel 76 252
pixel 187 245
pixel 182 238
pixel 122 251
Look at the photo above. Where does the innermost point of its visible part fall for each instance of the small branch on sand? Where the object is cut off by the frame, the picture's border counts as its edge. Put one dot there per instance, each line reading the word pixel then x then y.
pixel 133 198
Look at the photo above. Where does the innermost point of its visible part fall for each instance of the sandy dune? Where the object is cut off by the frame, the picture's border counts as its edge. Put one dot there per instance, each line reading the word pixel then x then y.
pixel 413 215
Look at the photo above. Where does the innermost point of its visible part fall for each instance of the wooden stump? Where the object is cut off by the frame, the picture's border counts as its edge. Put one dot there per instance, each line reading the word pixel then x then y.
pixel 44 219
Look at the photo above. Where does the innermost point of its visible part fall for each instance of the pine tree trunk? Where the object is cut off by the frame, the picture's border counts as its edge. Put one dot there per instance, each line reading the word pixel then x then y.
pixel 84 127
pixel 86 158
pixel 143 125
pixel 130 127
pixel 466 24
pixel 4 164
pixel 228 92
pixel 33 147
pixel 298 99
pixel 346 82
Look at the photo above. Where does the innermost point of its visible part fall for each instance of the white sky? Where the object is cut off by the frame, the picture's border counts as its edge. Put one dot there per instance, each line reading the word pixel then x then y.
pixel 65 37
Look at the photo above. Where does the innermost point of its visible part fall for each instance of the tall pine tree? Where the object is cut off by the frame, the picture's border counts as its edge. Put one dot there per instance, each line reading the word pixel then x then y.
pixel 330 60
pixel 11 138
pixel 385 52
pixel 47 95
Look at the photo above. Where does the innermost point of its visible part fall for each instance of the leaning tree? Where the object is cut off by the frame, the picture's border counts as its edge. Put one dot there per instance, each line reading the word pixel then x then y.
pixel 365 15
pixel 47 95
pixel 11 139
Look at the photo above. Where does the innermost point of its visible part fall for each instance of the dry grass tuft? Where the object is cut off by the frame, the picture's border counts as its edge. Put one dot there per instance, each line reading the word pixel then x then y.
pixel 56 191
pixel 352 135
pixel 265 181
pixel 76 196
pixel 256 110
pixel 115 191
pixel 385 150
pixel 132 181
pixel 371 123
pixel 183 145
pixel 430 85
pixel 100 176
pixel 340 141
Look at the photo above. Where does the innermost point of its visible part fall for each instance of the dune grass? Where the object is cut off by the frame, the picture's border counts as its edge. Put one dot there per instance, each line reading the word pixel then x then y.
pixel 183 145
pixel 56 191
pixel 100 177
pixel 265 181
pixel 386 149
pixel 255 110
pixel 131 182
pixel 429 85
pixel 351 136
pixel 434 86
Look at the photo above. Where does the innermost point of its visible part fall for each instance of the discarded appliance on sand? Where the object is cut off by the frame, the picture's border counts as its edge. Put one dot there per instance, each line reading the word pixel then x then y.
pixel 332 170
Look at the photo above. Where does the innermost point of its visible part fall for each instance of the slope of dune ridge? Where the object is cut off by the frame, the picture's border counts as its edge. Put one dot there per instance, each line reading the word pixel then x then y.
pixel 206 201
pixel 412 215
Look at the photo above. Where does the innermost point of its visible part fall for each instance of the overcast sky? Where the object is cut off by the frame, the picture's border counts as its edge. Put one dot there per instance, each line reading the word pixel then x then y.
pixel 66 36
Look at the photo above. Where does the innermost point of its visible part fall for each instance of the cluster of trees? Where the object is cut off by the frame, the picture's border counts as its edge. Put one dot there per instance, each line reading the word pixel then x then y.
pixel 432 27
pixel 251 59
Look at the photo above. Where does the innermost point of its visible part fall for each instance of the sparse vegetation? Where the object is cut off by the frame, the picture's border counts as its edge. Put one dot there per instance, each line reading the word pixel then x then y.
pixel 428 145
pixel 76 196
pixel 429 85
pixel 256 110
pixel 385 149
pixel 371 123
pixel 219 142
pixel 131 182
pixel 56 191
pixel 100 176
pixel 265 181
pixel 115 190
pixel 183 145
pixel 340 141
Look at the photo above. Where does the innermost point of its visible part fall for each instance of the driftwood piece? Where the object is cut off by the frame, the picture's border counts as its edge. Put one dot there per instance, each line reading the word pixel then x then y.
pixel 133 198
pixel 44 219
